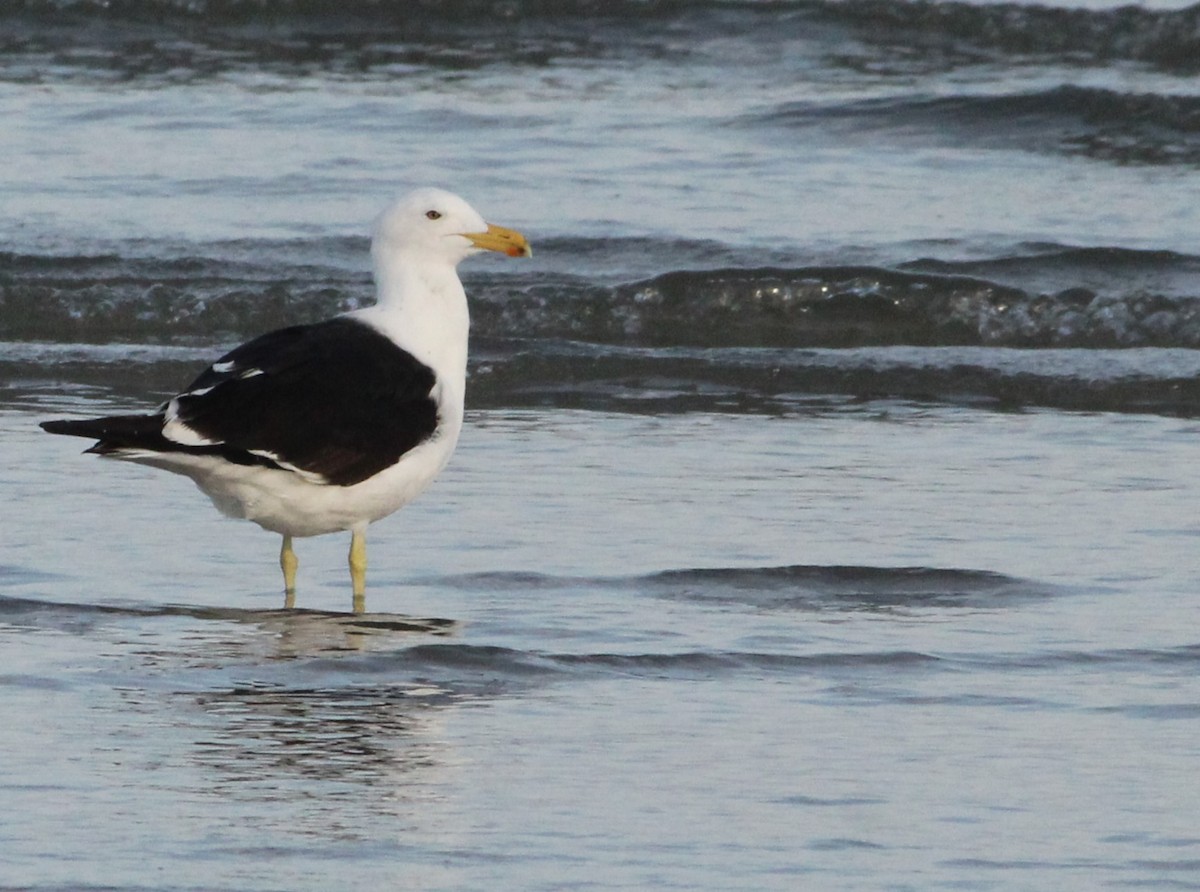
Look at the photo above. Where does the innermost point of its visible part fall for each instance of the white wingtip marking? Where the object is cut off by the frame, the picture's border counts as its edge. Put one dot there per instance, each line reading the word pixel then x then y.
pixel 178 432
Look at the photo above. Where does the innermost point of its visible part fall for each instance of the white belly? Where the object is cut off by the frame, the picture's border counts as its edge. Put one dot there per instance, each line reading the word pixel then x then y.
pixel 284 502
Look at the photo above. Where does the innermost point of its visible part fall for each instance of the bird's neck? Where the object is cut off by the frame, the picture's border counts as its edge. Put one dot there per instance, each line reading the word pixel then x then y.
pixel 424 309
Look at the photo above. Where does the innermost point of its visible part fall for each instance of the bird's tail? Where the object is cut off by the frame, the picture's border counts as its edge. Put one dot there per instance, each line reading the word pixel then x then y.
pixel 113 433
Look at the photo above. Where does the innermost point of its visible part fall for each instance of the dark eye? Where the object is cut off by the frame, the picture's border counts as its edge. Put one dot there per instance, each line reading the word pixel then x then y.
pixel 433 215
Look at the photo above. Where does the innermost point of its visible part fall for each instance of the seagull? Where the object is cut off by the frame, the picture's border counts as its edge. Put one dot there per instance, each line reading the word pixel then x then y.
pixel 328 427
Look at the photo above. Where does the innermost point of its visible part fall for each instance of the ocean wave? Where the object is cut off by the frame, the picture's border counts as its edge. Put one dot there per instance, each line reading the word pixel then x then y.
pixel 454 670
pixel 1126 128
pixel 845 587
pixel 94 298
pixel 1048 267
pixel 956 30
pixel 924 302
pixel 347 11
pixel 963 31
pixel 790 587
pixel 1115 329
pixel 838 306
pixel 189 41
pixel 462 667
pixel 323 662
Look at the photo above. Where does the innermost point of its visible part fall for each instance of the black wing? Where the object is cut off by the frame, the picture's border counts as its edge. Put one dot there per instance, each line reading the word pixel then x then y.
pixel 336 399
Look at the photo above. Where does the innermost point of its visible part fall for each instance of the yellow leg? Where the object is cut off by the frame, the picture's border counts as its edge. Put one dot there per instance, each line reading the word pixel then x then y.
pixel 358 568
pixel 288 562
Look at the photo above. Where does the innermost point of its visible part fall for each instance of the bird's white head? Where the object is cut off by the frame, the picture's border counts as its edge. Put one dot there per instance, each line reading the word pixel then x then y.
pixel 435 226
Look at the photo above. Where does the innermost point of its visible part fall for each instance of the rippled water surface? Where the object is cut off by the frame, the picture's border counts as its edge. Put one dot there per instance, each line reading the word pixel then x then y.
pixel 834 648
pixel 825 516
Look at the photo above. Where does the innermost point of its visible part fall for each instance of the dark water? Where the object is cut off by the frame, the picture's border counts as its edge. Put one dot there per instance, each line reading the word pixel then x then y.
pixel 826 512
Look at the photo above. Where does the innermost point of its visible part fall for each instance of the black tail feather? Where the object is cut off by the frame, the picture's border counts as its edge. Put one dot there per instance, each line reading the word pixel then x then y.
pixel 116 433
pixel 136 427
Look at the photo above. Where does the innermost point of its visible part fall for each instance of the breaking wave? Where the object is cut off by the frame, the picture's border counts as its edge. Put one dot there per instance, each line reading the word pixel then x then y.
pixel 842 307
pixel 1075 328
pixel 1000 302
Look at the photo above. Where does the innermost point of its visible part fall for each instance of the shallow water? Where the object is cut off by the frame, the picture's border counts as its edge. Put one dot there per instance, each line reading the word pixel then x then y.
pixel 825 516
pixel 935 647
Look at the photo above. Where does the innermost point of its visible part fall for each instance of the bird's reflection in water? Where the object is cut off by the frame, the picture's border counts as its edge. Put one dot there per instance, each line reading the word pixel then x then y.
pixel 266 739
pixel 299 633
pixel 337 712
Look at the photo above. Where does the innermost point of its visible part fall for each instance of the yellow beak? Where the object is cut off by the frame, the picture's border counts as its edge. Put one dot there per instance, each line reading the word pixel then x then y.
pixel 497 238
